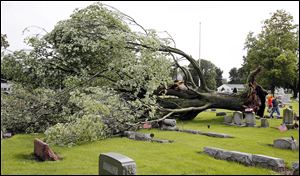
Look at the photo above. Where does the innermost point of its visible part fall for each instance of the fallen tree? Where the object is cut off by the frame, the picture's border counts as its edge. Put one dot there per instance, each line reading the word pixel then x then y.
pixel 106 78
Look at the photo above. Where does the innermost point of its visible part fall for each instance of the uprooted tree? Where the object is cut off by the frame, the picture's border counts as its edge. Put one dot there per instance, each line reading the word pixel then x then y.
pixel 100 73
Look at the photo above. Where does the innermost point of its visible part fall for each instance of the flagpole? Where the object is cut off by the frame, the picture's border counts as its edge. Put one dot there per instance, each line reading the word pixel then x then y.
pixel 199 48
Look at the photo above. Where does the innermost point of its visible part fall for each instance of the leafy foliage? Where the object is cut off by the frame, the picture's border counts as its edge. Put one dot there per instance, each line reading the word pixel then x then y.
pixel 99 83
pixel 29 111
pixel 237 76
pixel 276 49
pixel 219 77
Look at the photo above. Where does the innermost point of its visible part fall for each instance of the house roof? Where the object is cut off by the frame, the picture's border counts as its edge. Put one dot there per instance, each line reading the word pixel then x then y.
pixel 238 86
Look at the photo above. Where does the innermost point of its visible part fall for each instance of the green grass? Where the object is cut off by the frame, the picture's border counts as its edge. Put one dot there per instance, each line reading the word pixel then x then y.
pixel 184 156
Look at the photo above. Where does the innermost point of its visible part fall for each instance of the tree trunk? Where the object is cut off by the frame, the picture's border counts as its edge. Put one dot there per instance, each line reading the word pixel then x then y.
pixel 273 90
pixel 189 100
pixel 295 93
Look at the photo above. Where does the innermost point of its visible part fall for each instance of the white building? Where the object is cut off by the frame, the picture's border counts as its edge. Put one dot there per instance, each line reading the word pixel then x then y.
pixel 5 86
pixel 228 88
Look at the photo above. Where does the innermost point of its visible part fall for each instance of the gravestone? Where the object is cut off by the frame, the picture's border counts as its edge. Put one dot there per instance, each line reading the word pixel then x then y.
pixel 295 168
pixel 247 159
pixel 43 151
pixel 238 117
pixel 169 122
pixel 227 119
pixel 264 123
pixel 250 119
pixel 268 162
pixel 285 143
pixel 288 118
pixel 138 136
pixel 116 164
pixel 213 109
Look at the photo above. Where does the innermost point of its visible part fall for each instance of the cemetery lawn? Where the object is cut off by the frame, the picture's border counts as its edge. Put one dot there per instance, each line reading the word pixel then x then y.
pixel 183 156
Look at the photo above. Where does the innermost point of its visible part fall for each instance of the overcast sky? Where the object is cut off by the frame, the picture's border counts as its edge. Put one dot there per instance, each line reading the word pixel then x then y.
pixel 224 25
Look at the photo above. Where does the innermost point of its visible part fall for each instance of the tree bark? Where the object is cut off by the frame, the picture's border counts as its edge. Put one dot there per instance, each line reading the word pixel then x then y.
pixel 187 103
pixel 188 99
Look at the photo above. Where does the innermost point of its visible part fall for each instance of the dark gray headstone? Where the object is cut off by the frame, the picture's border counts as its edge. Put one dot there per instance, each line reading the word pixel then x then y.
pixel 116 164
pixel 238 118
pixel 295 168
pixel 213 109
pixel 288 116
pixel 268 162
pixel 250 119
pixel 246 158
pixel 227 119
pixel 285 143
pixel 264 123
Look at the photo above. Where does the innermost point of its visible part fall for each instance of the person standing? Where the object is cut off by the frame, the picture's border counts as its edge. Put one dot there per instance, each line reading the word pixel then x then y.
pixel 275 107
pixel 269 102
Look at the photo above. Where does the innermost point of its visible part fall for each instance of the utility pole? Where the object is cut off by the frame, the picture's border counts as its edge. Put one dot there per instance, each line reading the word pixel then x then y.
pixel 199 49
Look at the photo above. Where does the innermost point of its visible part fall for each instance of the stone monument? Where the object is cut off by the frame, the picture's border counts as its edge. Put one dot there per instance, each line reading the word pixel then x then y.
pixel 288 118
pixel 238 118
pixel 116 164
pixel 250 119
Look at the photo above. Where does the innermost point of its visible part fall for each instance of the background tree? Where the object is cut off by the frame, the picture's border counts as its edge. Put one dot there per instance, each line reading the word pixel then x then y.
pixel 4 42
pixel 233 76
pixel 219 77
pixel 238 76
pixel 209 73
pixel 4 45
pixel 275 48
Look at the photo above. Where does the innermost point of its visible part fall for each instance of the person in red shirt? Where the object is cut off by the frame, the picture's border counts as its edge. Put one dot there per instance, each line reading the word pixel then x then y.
pixel 269 102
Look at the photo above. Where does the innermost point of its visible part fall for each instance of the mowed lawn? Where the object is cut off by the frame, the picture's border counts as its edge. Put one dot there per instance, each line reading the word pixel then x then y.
pixel 183 156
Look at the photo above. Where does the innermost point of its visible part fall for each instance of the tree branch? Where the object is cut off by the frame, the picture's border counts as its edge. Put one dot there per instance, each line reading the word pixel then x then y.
pixel 189 108
pixel 177 51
